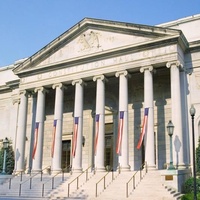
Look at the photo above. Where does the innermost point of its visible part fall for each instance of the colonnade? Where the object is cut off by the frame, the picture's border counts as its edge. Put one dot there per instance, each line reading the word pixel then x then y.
pixel 123 154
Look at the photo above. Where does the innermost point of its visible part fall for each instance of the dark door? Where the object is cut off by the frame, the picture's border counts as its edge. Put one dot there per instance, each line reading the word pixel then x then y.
pixel 66 155
pixel 108 151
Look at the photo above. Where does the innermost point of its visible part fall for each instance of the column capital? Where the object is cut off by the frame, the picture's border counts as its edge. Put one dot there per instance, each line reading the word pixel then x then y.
pixel 176 63
pixel 150 68
pixel 101 77
pixel 124 72
pixel 42 89
pixel 16 100
pixel 24 92
pixel 80 81
pixel 60 85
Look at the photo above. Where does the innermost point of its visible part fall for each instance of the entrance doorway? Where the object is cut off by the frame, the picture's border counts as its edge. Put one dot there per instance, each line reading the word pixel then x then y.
pixel 108 152
pixel 66 155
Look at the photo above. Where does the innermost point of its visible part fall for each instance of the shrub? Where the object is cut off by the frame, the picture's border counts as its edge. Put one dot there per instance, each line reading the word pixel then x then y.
pixel 189 185
pixel 10 162
pixel 190 196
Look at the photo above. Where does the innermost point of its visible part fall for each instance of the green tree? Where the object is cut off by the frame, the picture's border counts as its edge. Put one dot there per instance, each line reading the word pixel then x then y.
pixel 10 161
pixel 198 158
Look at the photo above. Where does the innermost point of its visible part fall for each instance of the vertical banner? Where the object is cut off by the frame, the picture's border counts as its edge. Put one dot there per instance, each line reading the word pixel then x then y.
pixel 120 132
pixel 74 141
pixel 53 137
pixel 96 133
pixel 144 127
pixel 35 139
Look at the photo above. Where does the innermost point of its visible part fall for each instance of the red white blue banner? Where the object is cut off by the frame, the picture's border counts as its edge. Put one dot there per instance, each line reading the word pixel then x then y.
pixel 120 132
pixel 35 139
pixel 53 137
pixel 96 133
pixel 144 127
pixel 75 134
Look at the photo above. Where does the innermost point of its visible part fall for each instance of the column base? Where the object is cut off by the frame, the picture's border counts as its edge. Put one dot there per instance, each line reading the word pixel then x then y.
pixel 125 168
pixel 151 167
pixel 77 170
pixel 18 171
pixel 54 171
pixel 36 171
pixel 100 169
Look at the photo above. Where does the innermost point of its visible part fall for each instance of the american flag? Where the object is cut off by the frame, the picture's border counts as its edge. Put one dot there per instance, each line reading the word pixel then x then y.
pixel 35 139
pixel 97 133
pixel 54 135
pixel 120 132
pixel 74 143
pixel 144 127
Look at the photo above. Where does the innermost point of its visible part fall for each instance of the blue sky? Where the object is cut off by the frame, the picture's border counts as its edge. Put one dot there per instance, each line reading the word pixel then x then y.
pixel 28 25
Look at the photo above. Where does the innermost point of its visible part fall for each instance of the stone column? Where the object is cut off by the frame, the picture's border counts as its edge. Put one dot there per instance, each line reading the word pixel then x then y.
pixel 56 150
pixel 185 123
pixel 37 154
pixel 123 140
pixel 78 127
pixel 21 133
pixel 148 103
pixel 99 141
pixel 178 151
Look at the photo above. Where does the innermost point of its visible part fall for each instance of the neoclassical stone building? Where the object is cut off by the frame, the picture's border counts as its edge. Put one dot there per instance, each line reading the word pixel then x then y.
pixel 80 100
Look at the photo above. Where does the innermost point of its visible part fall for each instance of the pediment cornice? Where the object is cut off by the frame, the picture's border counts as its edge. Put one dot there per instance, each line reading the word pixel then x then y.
pixel 156 36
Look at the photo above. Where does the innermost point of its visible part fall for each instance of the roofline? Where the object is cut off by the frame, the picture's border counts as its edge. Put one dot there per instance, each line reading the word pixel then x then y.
pixel 179 21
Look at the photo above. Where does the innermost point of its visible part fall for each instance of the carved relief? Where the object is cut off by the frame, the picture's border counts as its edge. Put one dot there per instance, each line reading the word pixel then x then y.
pixel 88 41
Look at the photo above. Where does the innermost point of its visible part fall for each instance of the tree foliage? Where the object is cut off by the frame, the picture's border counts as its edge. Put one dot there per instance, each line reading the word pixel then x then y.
pixel 198 157
pixel 10 162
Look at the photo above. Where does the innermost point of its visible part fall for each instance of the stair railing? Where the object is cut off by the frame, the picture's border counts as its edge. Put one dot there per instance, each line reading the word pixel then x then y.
pixel 31 178
pixel 104 179
pixel 133 178
pixel 77 179
pixel 53 177
pixel 21 177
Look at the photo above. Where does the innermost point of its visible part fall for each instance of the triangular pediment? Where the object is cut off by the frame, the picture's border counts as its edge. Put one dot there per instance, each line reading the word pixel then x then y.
pixel 92 37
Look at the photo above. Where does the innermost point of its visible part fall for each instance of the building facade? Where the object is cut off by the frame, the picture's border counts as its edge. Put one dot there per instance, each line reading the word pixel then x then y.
pixel 80 101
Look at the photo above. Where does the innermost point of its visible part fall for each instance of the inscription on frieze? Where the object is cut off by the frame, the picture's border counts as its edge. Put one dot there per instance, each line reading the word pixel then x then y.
pixel 148 54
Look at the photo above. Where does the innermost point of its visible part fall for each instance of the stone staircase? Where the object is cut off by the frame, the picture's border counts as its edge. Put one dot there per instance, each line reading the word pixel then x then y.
pixel 151 187
pixel 113 186
pixel 30 186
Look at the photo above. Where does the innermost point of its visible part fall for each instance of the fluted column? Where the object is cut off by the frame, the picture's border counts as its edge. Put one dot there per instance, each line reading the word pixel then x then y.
pixel 21 132
pixel 56 149
pixel 148 103
pixel 78 127
pixel 178 151
pixel 122 143
pixel 37 154
pixel 99 142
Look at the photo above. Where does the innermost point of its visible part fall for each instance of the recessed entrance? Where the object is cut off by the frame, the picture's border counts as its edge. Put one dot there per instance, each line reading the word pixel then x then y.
pixel 109 142
pixel 66 155
pixel 108 151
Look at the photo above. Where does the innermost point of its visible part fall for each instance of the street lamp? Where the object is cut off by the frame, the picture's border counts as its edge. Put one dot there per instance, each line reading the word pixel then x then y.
pixel 170 129
pixel 192 113
pixel 5 146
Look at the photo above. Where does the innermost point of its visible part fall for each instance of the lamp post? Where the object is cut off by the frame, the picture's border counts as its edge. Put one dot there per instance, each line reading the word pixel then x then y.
pixel 192 113
pixel 170 129
pixel 5 146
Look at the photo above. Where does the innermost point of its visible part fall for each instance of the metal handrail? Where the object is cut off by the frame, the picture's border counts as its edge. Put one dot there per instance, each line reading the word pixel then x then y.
pixel 104 179
pixel 133 177
pixel 77 179
pixel 10 180
pixel 52 179
pixel 30 179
